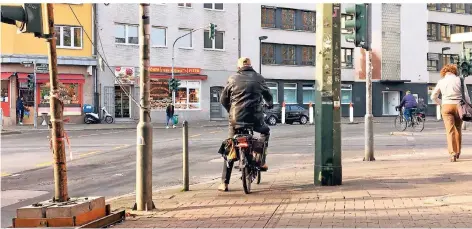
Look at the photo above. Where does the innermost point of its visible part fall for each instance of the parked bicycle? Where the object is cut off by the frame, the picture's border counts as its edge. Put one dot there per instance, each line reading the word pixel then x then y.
pixel 249 150
pixel 416 121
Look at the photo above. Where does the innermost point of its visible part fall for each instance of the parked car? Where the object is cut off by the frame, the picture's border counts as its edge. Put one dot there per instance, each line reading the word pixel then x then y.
pixel 293 113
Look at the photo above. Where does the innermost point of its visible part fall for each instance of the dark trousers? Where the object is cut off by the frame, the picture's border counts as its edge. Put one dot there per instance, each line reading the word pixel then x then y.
pixel 263 129
pixel 21 114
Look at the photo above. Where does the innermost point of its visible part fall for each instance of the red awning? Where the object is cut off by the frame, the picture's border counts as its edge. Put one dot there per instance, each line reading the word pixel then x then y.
pixel 6 75
pixel 180 77
pixel 63 78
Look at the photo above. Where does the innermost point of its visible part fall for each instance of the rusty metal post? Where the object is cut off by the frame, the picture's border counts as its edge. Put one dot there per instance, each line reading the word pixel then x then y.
pixel 144 128
pixel 57 106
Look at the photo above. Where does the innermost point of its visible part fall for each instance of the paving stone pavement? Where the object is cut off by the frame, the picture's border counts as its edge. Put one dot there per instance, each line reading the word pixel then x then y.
pixel 392 192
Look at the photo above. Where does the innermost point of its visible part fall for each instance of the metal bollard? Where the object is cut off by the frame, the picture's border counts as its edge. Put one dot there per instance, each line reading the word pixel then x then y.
pixel 185 172
pixel 283 113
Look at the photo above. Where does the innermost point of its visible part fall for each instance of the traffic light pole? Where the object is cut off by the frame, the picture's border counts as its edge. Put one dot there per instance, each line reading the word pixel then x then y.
pixel 56 106
pixel 144 129
pixel 328 167
pixel 369 117
pixel 35 96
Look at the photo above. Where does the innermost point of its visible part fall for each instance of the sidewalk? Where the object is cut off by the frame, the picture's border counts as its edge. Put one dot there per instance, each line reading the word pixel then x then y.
pixel 408 191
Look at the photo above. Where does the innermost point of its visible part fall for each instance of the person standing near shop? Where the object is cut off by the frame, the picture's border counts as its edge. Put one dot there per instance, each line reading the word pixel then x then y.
pixel 20 109
pixel 170 116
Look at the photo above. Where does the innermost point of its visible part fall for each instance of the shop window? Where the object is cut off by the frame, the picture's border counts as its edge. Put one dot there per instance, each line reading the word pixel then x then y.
pixel 274 90
pixel 346 93
pixel 5 97
pixel 160 94
pixel 187 41
pixel 69 92
pixel 346 57
pixel 290 93
pixel 187 97
pixel 308 93
pixel 126 34
pixel 68 37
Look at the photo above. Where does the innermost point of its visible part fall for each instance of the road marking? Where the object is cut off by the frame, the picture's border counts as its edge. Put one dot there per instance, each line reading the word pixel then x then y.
pixel 5 174
pixel 44 164
pixel 121 147
pixel 89 153
pixel 196 135
pixel 214 132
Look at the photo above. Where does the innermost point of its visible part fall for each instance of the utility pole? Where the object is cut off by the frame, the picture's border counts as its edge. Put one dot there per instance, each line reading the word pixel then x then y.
pixel 57 106
pixel 369 117
pixel 328 167
pixel 35 96
pixel 144 128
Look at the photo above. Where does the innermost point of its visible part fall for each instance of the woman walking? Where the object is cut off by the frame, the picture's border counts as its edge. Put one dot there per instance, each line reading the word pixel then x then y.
pixel 451 95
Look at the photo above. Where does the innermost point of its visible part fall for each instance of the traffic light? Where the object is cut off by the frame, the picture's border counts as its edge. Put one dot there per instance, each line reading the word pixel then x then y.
pixel 174 84
pixel 212 31
pixel 359 25
pixel 30 81
pixel 465 69
pixel 28 18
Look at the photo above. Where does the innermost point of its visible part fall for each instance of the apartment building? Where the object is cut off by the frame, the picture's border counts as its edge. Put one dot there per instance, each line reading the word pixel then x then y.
pixel 75 65
pixel 203 65
pixel 402 39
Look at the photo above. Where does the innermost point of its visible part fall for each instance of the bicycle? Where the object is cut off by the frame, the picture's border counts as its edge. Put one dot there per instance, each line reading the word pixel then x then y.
pixel 250 152
pixel 416 121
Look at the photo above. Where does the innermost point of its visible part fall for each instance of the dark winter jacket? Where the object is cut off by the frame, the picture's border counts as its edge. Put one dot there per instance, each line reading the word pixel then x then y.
pixel 20 105
pixel 170 111
pixel 242 96
pixel 409 101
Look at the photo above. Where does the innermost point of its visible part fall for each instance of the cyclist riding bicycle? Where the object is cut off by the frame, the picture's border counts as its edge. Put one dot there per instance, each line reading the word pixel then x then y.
pixel 242 99
pixel 409 102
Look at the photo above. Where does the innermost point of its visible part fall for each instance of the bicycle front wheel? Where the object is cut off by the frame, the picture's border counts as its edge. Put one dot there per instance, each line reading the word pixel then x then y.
pixel 400 123
pixel 418 124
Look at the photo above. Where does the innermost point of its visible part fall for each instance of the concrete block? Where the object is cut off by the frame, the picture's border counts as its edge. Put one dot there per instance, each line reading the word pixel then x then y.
pixel 68 209
pixel 33 211
pixel 96 202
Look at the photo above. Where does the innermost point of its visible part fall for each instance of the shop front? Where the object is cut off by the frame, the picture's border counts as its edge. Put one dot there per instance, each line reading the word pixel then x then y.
pixel 5 100
pixel 124 90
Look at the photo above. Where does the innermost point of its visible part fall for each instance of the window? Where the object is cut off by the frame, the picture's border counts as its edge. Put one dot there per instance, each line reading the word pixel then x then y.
pixel 185 5
pixel 290 93
pixel 430 92
pixel 159 36
pixel 344 18
pixel 308 93
pixel 288 19
pixel 460 8
pixel 274 90
pixel 446 7
pixel 433 62
pixel 69 92
pixel 188 95
pixel 268 53
pixel 267 17
pixel 308 21
pixel 216 43
pixel 346 57
pixel 126 34
pixel 187 41
pixel 213 6
pixel 68 37
pixel 432 32
pixel 288 55
pixel 308 55
pixel 449 59
pixel 445 32
pixel 432 7
pixel 346 93
pixel 459 29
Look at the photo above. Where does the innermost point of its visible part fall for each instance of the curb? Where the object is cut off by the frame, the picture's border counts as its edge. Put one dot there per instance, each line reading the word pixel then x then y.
pixel 10 132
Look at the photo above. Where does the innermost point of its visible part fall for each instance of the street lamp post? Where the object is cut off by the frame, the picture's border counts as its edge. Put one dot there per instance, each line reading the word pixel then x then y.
pixel 261 38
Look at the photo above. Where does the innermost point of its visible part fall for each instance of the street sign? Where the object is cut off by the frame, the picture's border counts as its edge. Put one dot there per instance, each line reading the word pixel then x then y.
pixel 42 68
pixel 26 62
pixel 461 37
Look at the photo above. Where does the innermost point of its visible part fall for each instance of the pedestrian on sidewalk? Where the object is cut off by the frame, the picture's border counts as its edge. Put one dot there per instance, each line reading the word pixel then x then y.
pixel 170 115
pixel 450 88
pixel 20 109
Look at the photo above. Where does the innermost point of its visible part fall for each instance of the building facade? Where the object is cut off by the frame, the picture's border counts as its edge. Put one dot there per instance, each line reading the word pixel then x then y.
pixel 400 45
pixel 75 65
pixel 203 65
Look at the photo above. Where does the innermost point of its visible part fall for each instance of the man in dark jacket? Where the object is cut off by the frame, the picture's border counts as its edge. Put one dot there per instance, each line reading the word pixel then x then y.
pixel 242 99
pixel 20 109
pixel 409 102
pixel 170 115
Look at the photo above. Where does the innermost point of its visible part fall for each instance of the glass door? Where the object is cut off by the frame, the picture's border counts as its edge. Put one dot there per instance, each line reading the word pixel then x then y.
pixel 122 102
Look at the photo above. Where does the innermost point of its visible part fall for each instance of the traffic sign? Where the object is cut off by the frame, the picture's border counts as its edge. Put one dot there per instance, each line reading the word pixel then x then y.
pixel 27 62
pixel 42 68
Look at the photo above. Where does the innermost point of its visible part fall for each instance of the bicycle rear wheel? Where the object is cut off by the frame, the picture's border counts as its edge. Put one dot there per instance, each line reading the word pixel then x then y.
pixel 400 123
pixel 246 172
pixel 418 124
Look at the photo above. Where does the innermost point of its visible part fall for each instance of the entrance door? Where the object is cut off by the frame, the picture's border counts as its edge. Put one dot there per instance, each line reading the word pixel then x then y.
pixel 391 99
pixel 122 102
pixel 216 109
pixel 108 100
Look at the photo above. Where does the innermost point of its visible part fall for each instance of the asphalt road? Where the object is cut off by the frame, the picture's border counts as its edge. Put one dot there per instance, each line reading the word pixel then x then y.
pixel 103 161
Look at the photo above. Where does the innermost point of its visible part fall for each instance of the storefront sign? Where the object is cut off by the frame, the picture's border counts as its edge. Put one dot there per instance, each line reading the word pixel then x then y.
pixel 42 68
pixel 125 75
pixel 168 70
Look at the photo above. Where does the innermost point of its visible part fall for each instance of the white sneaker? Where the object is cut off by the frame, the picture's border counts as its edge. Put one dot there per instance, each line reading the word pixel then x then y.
pixel 167 127
pixel 173 126
pixel 21 123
